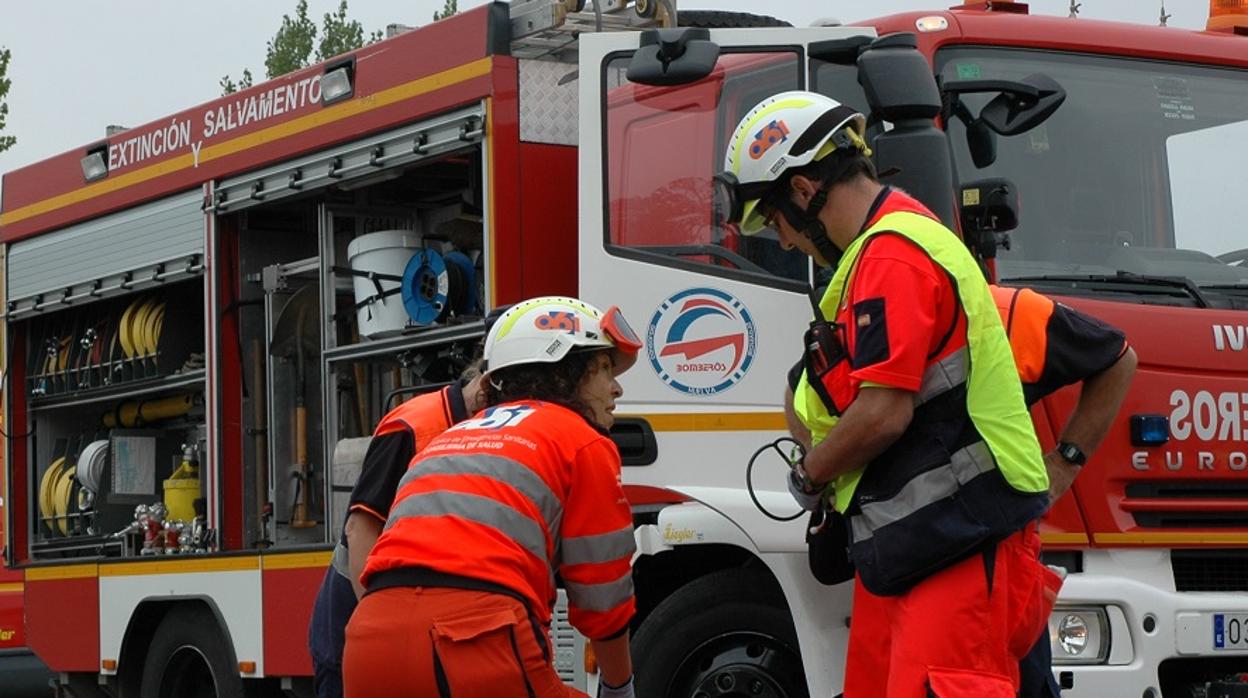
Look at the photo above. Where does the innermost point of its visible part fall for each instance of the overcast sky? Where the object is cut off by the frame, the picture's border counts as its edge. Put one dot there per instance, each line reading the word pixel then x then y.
pixel 79 65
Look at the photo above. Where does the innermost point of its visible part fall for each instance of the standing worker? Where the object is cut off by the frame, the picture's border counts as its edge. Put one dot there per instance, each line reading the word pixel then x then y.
pixel 402 433
pixel 461 583
pixel 915 410
pixel 1054 346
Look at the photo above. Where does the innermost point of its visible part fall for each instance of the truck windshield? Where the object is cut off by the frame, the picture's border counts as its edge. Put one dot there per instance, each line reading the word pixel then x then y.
pixel 663 145
pixel 1139 175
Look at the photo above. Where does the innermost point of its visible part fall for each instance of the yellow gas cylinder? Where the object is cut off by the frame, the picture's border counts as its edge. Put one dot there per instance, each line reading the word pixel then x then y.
pixel 182 488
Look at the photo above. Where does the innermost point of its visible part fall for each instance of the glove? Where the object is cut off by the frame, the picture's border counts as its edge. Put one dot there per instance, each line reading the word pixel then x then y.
pixel 625 691
pixel 806 496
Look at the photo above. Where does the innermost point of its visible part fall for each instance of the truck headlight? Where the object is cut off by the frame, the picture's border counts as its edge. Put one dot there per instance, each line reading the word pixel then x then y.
pixel 1079 635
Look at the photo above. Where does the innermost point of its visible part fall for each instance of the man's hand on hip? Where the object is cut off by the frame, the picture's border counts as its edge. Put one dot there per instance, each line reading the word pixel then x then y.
pixel 1062 475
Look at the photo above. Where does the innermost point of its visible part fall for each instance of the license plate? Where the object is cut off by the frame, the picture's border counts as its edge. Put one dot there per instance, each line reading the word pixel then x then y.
pixel 1230 631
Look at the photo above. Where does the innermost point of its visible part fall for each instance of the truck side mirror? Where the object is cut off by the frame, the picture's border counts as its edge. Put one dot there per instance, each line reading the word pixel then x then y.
pixel 1018 111
pixel 673 56
pixel 982 143
pixel 980 140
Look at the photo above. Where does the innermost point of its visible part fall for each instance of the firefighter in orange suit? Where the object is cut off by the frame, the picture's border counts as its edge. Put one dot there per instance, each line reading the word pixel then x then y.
pixel 461 583
pixel 401 434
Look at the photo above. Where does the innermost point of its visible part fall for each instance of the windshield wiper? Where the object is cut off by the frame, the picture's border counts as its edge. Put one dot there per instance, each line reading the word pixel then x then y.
pixel 1122 278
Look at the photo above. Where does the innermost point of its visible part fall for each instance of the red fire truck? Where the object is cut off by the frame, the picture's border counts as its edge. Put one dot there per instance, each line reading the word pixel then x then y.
pixel 206 315
pixel 23 673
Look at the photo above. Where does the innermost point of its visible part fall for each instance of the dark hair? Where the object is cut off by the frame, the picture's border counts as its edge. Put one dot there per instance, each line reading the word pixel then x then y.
pixel 557 382
pixel 832 169
pixel 836 168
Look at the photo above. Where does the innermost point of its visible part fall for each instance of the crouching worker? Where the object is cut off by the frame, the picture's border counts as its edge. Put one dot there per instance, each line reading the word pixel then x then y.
pixel 400 435
pixel 461 583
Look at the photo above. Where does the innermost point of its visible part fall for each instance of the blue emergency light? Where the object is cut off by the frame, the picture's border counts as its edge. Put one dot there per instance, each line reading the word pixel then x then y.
pixel 1149 429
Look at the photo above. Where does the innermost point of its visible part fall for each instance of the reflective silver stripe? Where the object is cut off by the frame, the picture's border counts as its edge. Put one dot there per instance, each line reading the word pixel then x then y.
pixel 505 470
pixel 483 510
pixel 943 376
pixel 928 488
pixel 341 562
pixel 604 547
pixel 600 597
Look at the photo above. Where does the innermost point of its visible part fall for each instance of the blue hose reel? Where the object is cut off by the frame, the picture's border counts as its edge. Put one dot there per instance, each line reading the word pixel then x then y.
pixel 425 286
pixel 463 293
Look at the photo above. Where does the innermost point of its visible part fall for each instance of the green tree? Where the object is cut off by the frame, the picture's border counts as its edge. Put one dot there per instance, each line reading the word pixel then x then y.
pixel 228 86
pixel 291 47
pixel 449 8
pixel 6 142
pixel 339 34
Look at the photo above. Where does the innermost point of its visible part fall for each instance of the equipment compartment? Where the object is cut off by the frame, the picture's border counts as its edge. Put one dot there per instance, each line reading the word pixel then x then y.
pixel 114 390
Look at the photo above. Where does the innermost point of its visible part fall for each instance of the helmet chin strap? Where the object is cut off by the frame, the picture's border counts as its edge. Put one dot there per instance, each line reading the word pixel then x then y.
pixel 815 230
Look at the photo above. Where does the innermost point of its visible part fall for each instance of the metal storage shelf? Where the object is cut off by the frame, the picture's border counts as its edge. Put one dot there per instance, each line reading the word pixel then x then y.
pixel 129 389
pixel 417 339
pixel 78 548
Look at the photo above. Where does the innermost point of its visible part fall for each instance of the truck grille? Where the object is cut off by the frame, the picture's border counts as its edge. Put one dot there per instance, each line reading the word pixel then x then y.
pixel 1210 570
pixel 1188 504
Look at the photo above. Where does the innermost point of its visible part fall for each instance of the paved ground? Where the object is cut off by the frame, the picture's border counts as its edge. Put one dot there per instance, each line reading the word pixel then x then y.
pixel 23 676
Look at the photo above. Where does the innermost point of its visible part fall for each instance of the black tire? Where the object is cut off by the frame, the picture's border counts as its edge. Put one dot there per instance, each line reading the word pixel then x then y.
pixel 724 634
pixel 190 657
pixel 718 19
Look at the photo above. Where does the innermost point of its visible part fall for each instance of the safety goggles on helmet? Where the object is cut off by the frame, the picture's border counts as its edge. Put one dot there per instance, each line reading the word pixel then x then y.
pixel 751 207
pixel 756 205
pixel 619 331
pixel 548 328
pixel 734 203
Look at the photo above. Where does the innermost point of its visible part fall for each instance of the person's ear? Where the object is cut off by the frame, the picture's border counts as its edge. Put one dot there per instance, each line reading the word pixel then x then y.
pixel 804 187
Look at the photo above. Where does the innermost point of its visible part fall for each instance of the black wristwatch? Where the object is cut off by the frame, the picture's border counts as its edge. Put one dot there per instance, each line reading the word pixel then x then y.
pixel 1071 453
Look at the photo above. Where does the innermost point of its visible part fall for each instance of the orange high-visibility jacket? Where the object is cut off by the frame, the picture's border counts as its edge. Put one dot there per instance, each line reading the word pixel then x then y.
pixel 402 433
pixel 520 492
pixel 1054 345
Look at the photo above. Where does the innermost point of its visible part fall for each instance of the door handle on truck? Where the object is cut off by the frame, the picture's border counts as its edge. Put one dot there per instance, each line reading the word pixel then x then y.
pixel 635 438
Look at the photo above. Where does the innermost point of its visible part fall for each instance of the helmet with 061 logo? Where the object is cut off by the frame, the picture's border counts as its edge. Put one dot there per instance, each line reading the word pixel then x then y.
pixel 548 328
pixel 784 131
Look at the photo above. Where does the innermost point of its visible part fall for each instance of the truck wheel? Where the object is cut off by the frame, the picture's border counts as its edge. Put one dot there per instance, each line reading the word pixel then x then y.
pixel 190 658
pixel 721 635
pixel 718 19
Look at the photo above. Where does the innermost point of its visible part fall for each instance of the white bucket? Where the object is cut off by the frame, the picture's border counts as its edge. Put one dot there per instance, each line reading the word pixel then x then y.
pixel 383 252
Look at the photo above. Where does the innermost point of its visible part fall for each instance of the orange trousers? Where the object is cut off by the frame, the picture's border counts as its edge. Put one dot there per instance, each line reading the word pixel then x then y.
pixel 953 635
pixel 430 642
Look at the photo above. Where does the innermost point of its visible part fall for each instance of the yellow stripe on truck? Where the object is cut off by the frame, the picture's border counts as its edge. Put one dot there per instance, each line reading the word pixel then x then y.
pixel 296 561
pixel 329 115
pixel 1212 537
pixel 715 421
pixel 43 574
pixel 208 564
pixel 1064 538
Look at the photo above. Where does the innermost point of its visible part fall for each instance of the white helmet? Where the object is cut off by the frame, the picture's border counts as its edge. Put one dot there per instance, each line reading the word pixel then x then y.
pixel 784 131
pixel 546 329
